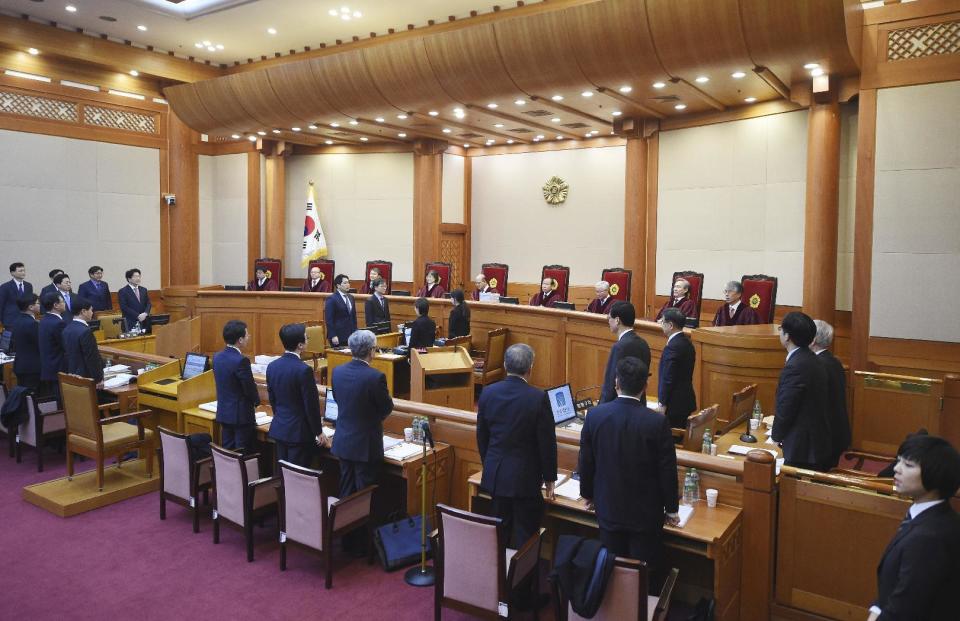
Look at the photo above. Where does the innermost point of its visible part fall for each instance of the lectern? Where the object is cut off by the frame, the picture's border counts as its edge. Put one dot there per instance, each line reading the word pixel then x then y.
pixel 442 376
pixel 163 391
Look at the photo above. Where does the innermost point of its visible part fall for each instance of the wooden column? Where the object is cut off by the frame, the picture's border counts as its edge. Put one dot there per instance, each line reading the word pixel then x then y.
pixel 863 231
pixel 253 211
pixel 275 210
pixel 182 221
pixel 427 193
pixel 822 211
pixel 635 220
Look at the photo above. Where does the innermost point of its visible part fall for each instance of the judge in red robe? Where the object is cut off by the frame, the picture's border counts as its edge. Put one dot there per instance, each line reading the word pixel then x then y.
pixel 432 288
pixel 480 280
pixel 261 282
pixel 602 303
pixel 374 274
pixel 316 283
pixel 548 295
pixel 680 299
pixel 734 312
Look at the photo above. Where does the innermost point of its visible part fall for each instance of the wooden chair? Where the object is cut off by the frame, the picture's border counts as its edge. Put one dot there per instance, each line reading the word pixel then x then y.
pixel 697 423
pixel 620 282
pixel 240 497
pixel 316 332
pixel 311 518
pixel 760 293
pixel 100 438
pixel 181 477
pixel 626 597
pixel 45 421
pixel 741 407
pixel 475 569
pixel 490 368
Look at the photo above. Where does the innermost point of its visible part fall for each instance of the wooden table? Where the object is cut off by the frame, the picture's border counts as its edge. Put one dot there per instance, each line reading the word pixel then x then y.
pixel 145 344
pixel 731 437
pixel 395 367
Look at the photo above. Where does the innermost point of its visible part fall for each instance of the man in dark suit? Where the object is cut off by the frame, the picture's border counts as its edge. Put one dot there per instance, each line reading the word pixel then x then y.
pixel 340 313
pixel 96 290
pixel 836 390
pixel 363 402
pixel 675 373
pixel 65 289
pixel 628 469
pixel 13 290
pixel 620 320
pixel 26 342
pixel 50 333
pixel 296 425
pixel 518 446
pixel 237 395
pixel 80 346
pixel 377 307
pixel 51 287
pixel 134 301
pixel 919 574
pixel 423 330
pixel 800 424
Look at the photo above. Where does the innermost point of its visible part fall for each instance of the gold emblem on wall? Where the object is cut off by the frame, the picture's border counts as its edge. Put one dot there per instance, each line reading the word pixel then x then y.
pixel 555 190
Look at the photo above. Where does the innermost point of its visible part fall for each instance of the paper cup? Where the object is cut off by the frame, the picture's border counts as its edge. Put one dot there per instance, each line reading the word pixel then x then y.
pixel 754 424
pixel 408 434
pixel 712 497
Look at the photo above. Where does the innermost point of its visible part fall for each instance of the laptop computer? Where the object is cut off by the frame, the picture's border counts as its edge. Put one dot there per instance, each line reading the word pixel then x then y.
pixel 6 342
pixel 330 410
pixel 563 407
pixel 193 365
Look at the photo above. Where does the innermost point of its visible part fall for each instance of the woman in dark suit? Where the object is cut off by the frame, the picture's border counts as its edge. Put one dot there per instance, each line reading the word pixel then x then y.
pixel 459 323
pixel 423 330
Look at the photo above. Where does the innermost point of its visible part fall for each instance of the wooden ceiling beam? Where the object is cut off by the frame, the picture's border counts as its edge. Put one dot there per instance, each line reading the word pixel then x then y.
pixel 773 81
pixel 690 89
pixel 350 129
pixel 415 132
pixel 467 126
pixel 549 103
pixel 513 119
pixel 630 101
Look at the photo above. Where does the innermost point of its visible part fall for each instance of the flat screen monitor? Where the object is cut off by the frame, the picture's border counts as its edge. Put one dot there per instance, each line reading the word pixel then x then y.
pixel 291 289
pixel 381 327
pixel 6 341
pixel 160 320
pixel 330 411
pixel 194 365
pixel 234 287
pixel 562 404
pixel 565 305
pixel 505 300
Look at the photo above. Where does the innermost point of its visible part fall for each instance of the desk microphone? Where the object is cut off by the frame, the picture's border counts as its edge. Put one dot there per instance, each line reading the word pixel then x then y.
pixel 427 434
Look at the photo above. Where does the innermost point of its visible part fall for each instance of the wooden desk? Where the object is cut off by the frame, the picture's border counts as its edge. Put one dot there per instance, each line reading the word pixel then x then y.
pixel 731 437
pixel 395 367
pixel 168 401
pixel 127 395
pixel 145 344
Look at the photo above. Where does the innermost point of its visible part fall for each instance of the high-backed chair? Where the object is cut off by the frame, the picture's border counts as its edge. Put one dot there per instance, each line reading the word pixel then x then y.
pixel 475 570
pixel 497 276
pixel 328 269
pixel 45 421
pixel 696 288
pixel 109 324
pixel 697 423
pixel 491 370
pixel 273 268
pixel 620 281
pixel 445 270
pixel 240 496
pixel 626 597
pixel 182 478
pixel 100 438
pixel 741 406
pixel 316 333
pixel 560 274
pixel 310 517
pixel 760 292
pixel 386 272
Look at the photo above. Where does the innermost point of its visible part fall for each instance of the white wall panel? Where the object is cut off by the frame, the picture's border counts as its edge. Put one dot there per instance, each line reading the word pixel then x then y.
pixel 452 203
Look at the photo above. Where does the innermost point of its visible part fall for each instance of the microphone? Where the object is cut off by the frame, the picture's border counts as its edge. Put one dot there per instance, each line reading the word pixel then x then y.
pixel 427 434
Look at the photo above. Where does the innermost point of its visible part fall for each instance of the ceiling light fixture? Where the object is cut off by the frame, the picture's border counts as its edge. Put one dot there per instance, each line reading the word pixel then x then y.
pixel 312 126
pixel 33 51
pixel 616 113
pixel 271 31
pixel 466 146
pixel 296 129
pixel 81 85
pixel 354 122
pixel 817 72
pixel 659 84
pixel 458 110
pixel 492 106
pixel 142 28
pixel 446 130
pixel 539 136
pixel 702 79
pixel 680 106
pixel 121 93
pixel 520 102
pixel 402 135
pixel 586 94
pixel 276 131
pixel 261 133
pixel 334 124
pixel 327 142
pixel 252 138
pixel 625 89
pixel 555 119
pixel 363 139
pixel 332 13
pixel 219 46
pixel 379 119
pixel 809 66
pixel 401 116
pixel 70 8
pixel 28 76
pixel 134 72
pixel 235 136
pixel 559 137
pixel 750 99
pixel 510 142
pixel 736 75
pixel 498 125
pixel 557 98
pixel 211 49
pixel 536 140
pixel 433 113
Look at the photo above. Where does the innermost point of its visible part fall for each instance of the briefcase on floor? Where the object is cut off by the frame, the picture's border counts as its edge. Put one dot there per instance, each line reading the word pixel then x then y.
pixel 398 543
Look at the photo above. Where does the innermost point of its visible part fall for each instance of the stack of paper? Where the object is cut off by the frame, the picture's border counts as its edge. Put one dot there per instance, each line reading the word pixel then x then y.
pixel 264 360
pixel 569 489
pixel 116 368
pixel 209 407
pixel 390 442
pixel 685 512
pixel 117 381
pixel 403 451
pixel 263 418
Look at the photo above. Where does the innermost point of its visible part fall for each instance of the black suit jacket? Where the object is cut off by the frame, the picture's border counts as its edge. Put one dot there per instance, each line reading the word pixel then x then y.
pixel 341 321
pixel 837 404
pixel 517 439
pixel 237 396
pixel 131 307
pixel 675 380
pixel 919 573
pixel 70 301
pixel 26 343
pixel 99 295
pixel 374 312
pixel 423 332
pixel 363 401
pixel 8 301
pixel 629 345
pixel 459 322
pixel 628 466
pixel 51 347
pixel 800 423
pixel 295 400
pixel 81 352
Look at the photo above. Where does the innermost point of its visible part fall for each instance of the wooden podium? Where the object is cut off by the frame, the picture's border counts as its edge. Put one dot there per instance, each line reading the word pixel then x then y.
pixel 442 376
pixel 176 339
pixel 168 400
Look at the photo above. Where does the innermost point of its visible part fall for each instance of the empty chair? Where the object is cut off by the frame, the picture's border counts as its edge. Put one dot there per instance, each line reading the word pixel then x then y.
pixel 182 478
pixel 475 569
pixel 45 421
pixel 697 423
pixel 488 364
pixel 312 518
pixel 741 406
pixel 240 497
pixel 626 597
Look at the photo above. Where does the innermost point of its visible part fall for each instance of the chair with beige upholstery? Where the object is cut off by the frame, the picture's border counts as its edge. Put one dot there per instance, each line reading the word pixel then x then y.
pixel 181 477
pixel 99 438
pixel 310 517
pixel 626 597
pixel 488 364
pixel 45 421
pixel 316 333
pixel 476 571
pixel 240 497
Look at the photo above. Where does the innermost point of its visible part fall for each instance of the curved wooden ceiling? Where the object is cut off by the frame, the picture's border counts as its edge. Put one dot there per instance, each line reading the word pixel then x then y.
pixel 561 73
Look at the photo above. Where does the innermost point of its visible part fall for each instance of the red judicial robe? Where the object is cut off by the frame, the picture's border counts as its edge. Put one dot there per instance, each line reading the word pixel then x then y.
pixel 366 288
pixel 487 289
pixel 547 300
pixel 601 308
pixel 436 291
pixel 323 286
pixel 743 316
pixel 686 305
pixel 268 285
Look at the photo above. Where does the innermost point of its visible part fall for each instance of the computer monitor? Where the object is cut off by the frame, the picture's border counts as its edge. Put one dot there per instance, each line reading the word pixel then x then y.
pixel 291 289
pixel 6 341
pixel 400 292
pixel 330 411
pixel 505 300
pixel 160 320
pixel 194 365
pixel 234 287
pixel 380 327
pixel 562 404
pixel 565 305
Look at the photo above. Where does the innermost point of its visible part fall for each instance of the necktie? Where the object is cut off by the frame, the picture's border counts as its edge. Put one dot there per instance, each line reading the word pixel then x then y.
pixel 20 288
pixel 731 312
pixel 136 292
pixel 906 520
pixel 66 299
pixel 346 301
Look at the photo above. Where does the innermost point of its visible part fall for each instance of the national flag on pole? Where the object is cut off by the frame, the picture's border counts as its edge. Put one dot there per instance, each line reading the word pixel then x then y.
pixel 314 242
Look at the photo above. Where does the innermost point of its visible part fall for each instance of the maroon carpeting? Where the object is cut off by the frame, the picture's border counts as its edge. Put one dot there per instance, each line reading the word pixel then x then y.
pixel 122 561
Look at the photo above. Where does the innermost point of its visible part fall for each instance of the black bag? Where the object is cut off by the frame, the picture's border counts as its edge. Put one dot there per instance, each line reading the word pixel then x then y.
pixel 582 567
pixel 398 543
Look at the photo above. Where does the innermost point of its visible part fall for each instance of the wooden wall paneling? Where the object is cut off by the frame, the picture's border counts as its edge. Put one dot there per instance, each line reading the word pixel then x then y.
pixel 913 357
pixel 453 249
pixel 183 168
pixel 863 229
pixel 165 214
pixel 650 276
pixel 275 210
pixel 254 230
pixel 468 221
pixel 67 69
pixel 889 407
pixel 303 96
pixel 427 196
pixel 587 347
pixel 635 218
pixel 889 49
pixel 764 108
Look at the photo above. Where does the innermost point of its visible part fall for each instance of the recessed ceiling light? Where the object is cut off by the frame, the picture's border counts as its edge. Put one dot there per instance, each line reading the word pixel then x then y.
pixel 680 106
pixel 261 133
pixel 357 14
pixel 363 139
pixel 520 102
pixel 219 46
pixel 702 79
pixel 458 110
pixel 555 119
pixel 235 136
pixel 750 99
pixel 31 76
pixel 540 136
pixel 536 139
pixel 379 119
pixel 557 98
pixel 466 146
pixel 206 43
pixel 616 113
pixel 433 113
pixel 736 75
pixel 401 116
pixel 559 137
pixel 498 125
pixel 659 84
pixel 134 72
pixel 817 72
pixel 33 51
pixel 809 66
pixel 312 126
pixel 586 94
pixel 402 135
pixel 252 138
pixel 211 49
pixel 272 31
pixel 446 130
pixel 70 8
pixel 625 89
pixel 276 131
pixel 332 13
pixel 345 17
pixel 296 129
pixel 334 124
pixel 353 122
pixel 327 142
pixel 492 105
pixel 142 28
pixel 509 142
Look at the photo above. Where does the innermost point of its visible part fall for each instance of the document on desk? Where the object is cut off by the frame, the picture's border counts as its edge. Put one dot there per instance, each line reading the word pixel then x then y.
pixel 389 442
pixel 403 450
pixel 118 381
pixel 116 368
pixel 739 449
pixel 685 512
pixel 209 407
pixel 263 418
pixel 568 489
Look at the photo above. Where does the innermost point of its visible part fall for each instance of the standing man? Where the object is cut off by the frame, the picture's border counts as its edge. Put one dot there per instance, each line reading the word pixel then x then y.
pixel 675 374
pixel 134 301
pixel 733 312
pixel 340 313
pixel 26 342
pixel 51 287
pixel 96 290
pixel 65 289
pixel 919 573
pixel 518 446
pixel 629 343
pixel 292 389
pixel 237 395
pixel 11 291
pixel 80 346
pixel 602 303
pixel 628 470
pixel 315 283
pixel 800 424
pixel 547 296
pixel 836 390
pixel 50 333
pixel 377 307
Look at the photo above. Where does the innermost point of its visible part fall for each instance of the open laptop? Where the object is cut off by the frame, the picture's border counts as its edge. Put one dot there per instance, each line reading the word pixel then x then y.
pixel 6 342
pixel 330 410
pixel 564 408
pixel 193 365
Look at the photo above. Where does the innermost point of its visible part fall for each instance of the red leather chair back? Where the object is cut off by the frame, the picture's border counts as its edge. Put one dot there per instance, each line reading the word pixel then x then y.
pixel 445 270
pixel 760 292
pixel 274 269
pixel 496 274
pixel 561 274
pixel 696 286
pixel 328 269
pixel 386 271
pixel 620 280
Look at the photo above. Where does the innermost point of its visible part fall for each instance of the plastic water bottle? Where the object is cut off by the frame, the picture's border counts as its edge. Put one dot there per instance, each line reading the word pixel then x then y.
pixel 707 442
pixel 687 489
pixel 757 412
pixel 694 485
pixel 137 329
